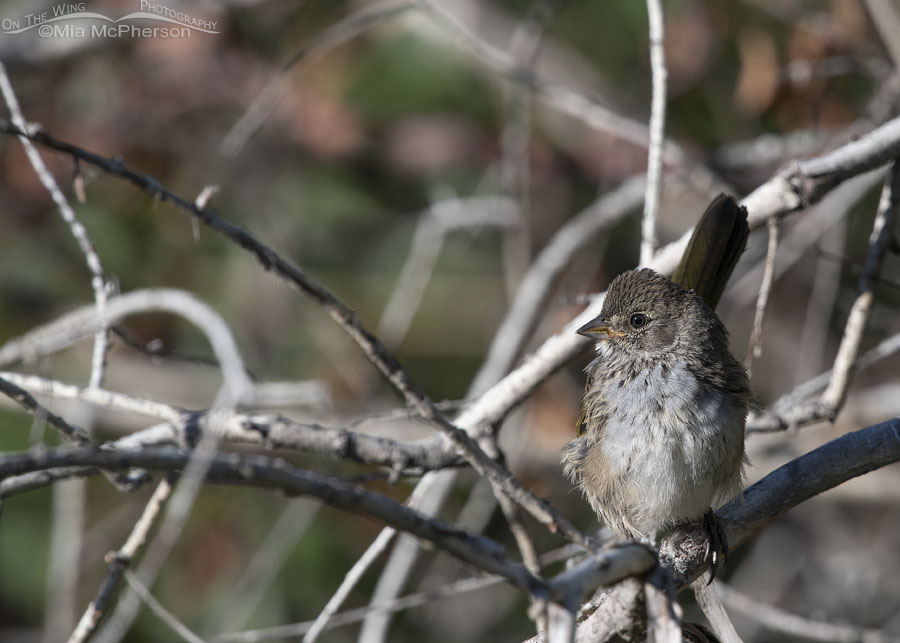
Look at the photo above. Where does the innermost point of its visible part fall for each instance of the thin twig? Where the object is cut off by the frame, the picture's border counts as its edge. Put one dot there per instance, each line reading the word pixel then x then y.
pixel 120 560
pixel 278 432
pixel 157 608
pixel 14 485
pixel 523 539
pixel 426 498
pixel 98 280
pixel 324 619
pixel 881 237
pixel 194 472
pixel 74 434
pixel 754 350
pixel 657 131
pixel 789 410
pixel 96 396
pixel 795 241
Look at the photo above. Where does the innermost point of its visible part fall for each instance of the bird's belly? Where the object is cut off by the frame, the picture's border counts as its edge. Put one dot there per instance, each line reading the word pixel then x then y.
pixel 657 447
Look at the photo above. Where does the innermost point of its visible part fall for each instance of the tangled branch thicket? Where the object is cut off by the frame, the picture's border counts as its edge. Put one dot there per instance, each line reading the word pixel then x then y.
pixel 176 456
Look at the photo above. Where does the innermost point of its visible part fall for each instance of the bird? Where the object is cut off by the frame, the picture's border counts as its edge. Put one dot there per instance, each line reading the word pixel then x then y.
pixel 660 440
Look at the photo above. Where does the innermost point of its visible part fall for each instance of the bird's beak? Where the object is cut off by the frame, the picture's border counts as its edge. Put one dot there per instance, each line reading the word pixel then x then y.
pixel 597 327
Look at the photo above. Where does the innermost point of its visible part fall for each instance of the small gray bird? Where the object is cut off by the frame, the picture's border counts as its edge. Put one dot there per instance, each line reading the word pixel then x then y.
pixel 661 436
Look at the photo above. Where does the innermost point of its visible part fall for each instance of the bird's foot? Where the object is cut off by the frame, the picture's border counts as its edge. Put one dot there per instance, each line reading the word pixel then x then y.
pixel 717 547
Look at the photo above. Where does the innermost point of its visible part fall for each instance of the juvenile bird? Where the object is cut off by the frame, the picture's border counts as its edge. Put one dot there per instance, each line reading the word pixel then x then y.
pixel 661 435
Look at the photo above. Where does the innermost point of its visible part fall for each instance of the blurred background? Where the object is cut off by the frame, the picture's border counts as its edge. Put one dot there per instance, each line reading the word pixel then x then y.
pixel 385 150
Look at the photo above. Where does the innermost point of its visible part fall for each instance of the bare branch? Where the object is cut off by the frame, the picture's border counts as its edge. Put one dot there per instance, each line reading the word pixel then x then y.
pixel 657 131
pixel 157 608
pixel 120 560
pixel 788 411
pixel 184 428
pixel 881 237
pixel 754 350
pixel 96 396
pixel 14 485
pixel 712 607
pixel 98 281
pixel 326 616
pixel 600 569
pixel 523 539
pixel 278 432
pixel 33 407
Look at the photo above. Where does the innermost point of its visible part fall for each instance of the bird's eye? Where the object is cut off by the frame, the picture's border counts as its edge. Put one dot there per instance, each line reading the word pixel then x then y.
pixel 638 320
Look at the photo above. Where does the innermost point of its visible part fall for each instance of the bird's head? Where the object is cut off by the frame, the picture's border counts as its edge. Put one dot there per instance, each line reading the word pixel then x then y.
pixel 647 314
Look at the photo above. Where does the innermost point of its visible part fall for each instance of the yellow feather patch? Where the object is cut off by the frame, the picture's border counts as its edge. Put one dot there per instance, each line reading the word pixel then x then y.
pixel 580 426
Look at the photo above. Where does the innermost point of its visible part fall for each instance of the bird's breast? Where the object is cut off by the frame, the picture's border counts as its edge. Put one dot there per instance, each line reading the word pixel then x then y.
pixel 650 414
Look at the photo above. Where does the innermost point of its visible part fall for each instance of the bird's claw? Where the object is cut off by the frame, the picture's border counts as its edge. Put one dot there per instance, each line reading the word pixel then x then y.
pixel 717 543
